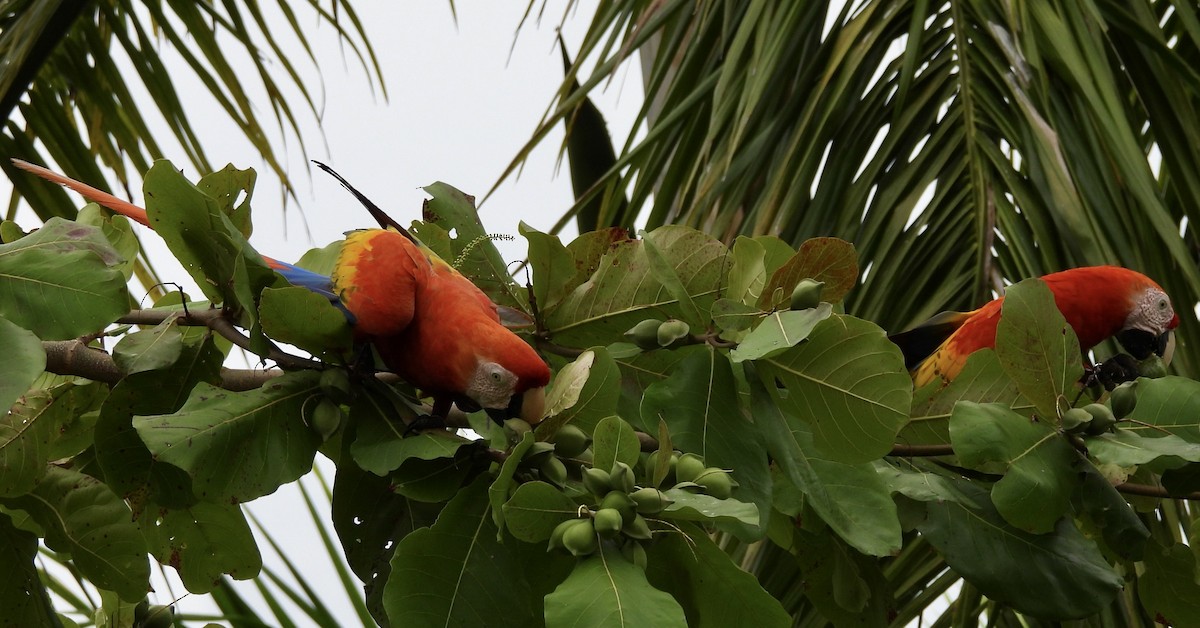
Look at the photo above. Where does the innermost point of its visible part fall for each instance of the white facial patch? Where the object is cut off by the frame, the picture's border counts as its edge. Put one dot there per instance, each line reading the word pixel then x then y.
pixel 1152 312
pixel 491 385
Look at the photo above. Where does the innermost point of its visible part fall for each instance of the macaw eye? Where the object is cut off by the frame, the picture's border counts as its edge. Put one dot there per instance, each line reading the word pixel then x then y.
pixel 498 377
pixel 1163 305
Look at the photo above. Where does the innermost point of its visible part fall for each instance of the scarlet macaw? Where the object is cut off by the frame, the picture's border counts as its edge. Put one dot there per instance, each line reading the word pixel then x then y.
pixel 430 324
pixel 1098 302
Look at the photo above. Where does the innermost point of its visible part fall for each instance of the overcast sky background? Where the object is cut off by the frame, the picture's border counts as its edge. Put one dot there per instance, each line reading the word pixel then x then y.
pixel 459 109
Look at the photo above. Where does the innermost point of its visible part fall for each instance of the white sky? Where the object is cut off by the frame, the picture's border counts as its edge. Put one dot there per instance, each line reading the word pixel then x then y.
pixel 460 108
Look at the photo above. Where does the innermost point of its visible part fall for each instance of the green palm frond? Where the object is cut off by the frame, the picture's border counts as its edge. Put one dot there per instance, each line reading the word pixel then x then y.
pixel 956 144
pixel 77 76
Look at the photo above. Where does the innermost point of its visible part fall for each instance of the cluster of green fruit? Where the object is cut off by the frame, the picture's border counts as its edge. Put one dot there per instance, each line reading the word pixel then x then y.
pixel 327 415
pixel 1095 419
pixel 619 500
pixel 653 334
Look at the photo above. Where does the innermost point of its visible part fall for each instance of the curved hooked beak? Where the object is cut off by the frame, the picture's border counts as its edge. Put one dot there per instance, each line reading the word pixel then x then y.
pixel 529 406
pixel 1141 343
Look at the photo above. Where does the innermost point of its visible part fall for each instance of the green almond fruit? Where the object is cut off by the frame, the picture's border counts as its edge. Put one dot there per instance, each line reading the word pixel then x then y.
pixel 597 481
pixel 159 616
pixel 570 441
pixel 621 502
pixel 645 334
pixel 689 466
pixel 1123 399
pixel 608 522
pixel 672 333
pixel 556 535
pixel 621 477
pixel 718 483
pixel 326 418
pixel 1102 418
pixel 580 539
pixel 650 501
pixel 807 294
pixel 1075 420
pixel 553 470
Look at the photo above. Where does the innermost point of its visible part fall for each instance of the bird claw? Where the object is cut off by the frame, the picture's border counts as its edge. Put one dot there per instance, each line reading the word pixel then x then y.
pixel 1114 371
pixel 424 422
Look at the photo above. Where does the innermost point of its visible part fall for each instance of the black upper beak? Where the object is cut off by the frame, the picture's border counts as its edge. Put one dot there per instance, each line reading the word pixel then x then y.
pixel 500 415
pixel 1140 344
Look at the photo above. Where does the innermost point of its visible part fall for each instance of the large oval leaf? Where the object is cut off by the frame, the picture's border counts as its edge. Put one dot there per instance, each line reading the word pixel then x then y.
pixel 238 446
pixel 61 281
pixel 847 381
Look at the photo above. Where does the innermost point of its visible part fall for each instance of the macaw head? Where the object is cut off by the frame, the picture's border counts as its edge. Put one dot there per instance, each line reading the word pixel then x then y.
pixel 514 387
pixel 1149 327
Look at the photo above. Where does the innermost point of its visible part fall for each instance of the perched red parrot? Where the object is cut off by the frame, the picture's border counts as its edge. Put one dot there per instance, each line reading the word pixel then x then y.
pixel 1098 302
pixel 430 324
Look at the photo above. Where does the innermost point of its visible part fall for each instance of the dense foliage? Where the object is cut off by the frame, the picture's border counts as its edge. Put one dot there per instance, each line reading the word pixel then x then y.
pixel 749 412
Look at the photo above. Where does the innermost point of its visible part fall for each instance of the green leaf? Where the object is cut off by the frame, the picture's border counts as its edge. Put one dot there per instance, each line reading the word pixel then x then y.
pixel 1060 575
pixel 613 441
pixel 501 487
pixel 713 590
pixel 472 251
pixel 1126 448
pixel 127 464
pixel 552 267
pixel 119 232
pixel 322 260
pixel 845 586
pixel 624 290
pixel 1124 533
pixel 849 382
pixel 734 316
pixel 85 519
pixel 982 380
pixel 452 573
pixel 664 273
pixel 1168 590
pixel 779 332
pixel 60 281
pixel 370 520
pixel 24 599
pixel 301 317
pixel 582 392
pixel 204 239
pixel 228 186
pixel 748 274
pixel 238 446
pixel 1037 348
pixel 432 480
pixel 689 506
pixel 379 444
pixel 202 542
pixel 699 403
pixel 534 510
pixel 605 590
pixel 830 260
pixel 149 349
pixel 1036 460
pixel 1169 404
pixel 27 435
pixel 851 498
pixel 23 442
